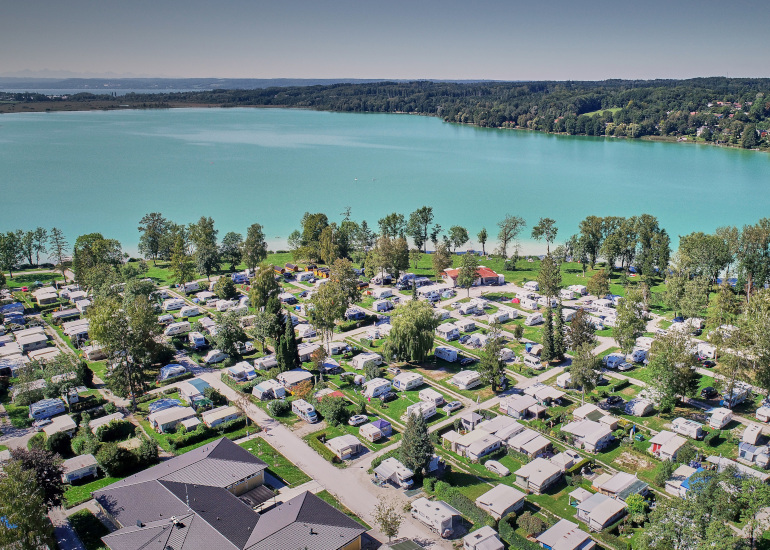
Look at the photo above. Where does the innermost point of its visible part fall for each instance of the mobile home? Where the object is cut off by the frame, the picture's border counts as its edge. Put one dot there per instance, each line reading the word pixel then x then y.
pixel 304 410
pixel 362 360
pixel 448 331
pixel 533 319
pixel 177 328
pixel 431 396
pixel 406 381
pixel 466 379
pixel 446 353
pixel 688 428
pixel 376 387
pixel 189 311
pixel 425 408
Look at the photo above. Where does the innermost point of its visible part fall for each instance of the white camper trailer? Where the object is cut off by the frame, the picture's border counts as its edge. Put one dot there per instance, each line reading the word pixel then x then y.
pixel 533 319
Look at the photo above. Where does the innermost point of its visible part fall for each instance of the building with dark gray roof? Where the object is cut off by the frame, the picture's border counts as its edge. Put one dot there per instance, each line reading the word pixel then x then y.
pixel 203 499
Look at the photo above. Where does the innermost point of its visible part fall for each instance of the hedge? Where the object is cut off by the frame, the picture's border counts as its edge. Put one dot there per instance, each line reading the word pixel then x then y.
pixel 579 466
pixel 167 381
pixel 203 432
pixel 377 461
pixel 464 505
pixel 323 450
pixel 620 385
pixel 240 386
pixel 116 430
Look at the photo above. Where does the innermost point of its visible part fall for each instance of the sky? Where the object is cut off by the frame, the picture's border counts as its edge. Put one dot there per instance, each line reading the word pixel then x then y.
pixel 451 39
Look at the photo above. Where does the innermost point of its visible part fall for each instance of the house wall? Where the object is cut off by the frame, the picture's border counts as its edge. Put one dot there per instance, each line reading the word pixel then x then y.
pixel 353 545
pixel 247 484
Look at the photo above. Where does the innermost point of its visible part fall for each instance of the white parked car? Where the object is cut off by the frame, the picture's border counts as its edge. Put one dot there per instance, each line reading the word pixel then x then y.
pixel 358 419
pixel 452 406
pixel 496 468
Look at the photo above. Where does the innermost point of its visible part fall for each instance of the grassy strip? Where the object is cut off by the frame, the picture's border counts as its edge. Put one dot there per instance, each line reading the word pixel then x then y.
pixel 78 494
pixel 279 466
pixel 89 529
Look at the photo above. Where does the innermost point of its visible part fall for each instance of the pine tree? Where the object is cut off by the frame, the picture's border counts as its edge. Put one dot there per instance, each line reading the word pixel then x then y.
pixel 558 334
pixel 548 343
pixel 416 449
pixel 292 354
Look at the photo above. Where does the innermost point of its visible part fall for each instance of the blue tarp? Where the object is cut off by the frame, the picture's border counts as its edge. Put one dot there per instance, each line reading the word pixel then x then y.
pixel 162 404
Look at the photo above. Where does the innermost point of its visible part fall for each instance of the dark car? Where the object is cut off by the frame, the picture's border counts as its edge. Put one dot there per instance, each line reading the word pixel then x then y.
pixel 613 400
pixel 388 397
pixel 708 393
pixel 464 338
pixel 708 363
pixel 697 332
pixel 467 361
pixel 678 320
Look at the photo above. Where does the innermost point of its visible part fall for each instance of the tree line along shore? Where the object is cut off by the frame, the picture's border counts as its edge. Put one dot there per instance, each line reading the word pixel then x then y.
pixel 724 111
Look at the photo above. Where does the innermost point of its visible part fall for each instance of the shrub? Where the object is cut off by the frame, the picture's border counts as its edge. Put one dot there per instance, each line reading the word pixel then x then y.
pixel 530 524
pixel 147 453
pixel 110 408
pixel 279 408
pixel 215 397
pixel 116 430
pixel 428 483
pixel 115 461
pixel 463 504
pixel 712 438
pixel 37 441
pixel 59 443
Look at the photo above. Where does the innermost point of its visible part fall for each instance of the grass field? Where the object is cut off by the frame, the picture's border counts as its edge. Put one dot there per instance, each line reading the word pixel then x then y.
pixel 278 465
pixel 77 494
pixel 89 529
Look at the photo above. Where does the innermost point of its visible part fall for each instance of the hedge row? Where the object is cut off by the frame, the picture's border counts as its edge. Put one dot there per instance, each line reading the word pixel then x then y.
pixel 323 450
pixel 464 505
pixel 203 432
pixel 245 387
pixel 167 381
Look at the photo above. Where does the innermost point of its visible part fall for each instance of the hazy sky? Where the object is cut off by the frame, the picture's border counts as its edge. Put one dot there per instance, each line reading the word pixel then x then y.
pixel 469 39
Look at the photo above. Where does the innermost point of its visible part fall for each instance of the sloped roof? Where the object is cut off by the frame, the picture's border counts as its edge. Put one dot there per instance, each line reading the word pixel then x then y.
pixel 306 521
pixel 208 515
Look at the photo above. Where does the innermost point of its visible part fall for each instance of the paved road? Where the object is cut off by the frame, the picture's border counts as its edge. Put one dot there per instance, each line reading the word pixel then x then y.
pixel 352 485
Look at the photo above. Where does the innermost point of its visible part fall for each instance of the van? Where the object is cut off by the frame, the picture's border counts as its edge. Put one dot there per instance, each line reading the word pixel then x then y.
pixel 177 328
pixel 639 355
pixel 224 305
pixel 304 410
pixel 533 319
pixel 191 287
pixel 189 311
pixel 532 361
pixel 196 339
pixel 172 304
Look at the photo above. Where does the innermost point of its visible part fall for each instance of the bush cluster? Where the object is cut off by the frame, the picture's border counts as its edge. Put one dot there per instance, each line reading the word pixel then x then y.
pixel 116 430
pixel 202 432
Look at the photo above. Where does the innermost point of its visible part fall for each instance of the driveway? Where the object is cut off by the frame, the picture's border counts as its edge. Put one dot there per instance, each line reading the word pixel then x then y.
pixel 352 485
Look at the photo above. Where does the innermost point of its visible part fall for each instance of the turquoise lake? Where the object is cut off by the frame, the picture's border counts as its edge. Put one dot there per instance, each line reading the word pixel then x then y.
pixel 101 171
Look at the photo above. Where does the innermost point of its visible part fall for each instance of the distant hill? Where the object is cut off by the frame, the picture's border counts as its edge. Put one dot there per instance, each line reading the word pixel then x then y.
pixel 170 84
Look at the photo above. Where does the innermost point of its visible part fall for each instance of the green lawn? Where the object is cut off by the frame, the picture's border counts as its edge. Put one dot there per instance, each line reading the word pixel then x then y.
pixel 89 529
pixel 331 499
pixel 77 494
pixel 29 279
pixel 278 465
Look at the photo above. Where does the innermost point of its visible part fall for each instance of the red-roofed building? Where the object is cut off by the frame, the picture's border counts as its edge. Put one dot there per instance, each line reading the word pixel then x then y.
pixel 485 276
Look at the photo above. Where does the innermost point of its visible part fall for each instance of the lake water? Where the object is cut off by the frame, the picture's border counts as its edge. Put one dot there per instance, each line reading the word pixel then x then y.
pixel 101 171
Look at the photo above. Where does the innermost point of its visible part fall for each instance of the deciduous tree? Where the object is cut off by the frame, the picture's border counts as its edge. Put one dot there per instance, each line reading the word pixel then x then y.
pixel 329 305
pixel 630 323
pixel 510 228
pixel 672 368
pixel 254 247
pixel 491 366
pixel 25 522
pixel 581 330
pixel 545 230
pixel 585 369
pixel 59 248
pixel 441 259
pixel 225 289
pixel 263 287
pixel 229 332
pixel 231 249
pixel 47 468
pixel 413 332
pixel 182 267
pixel 549 277
pixel 599 284
pixel 417 226
pixel 468 274
pixel 153 228
pixel 458 236
pixel 388 518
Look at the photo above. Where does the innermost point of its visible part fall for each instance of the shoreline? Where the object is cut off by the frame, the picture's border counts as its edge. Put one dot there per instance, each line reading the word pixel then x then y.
pixel 113 105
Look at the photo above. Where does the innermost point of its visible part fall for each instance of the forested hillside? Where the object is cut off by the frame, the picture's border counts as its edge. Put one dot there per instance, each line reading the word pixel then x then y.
pixel 733 111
